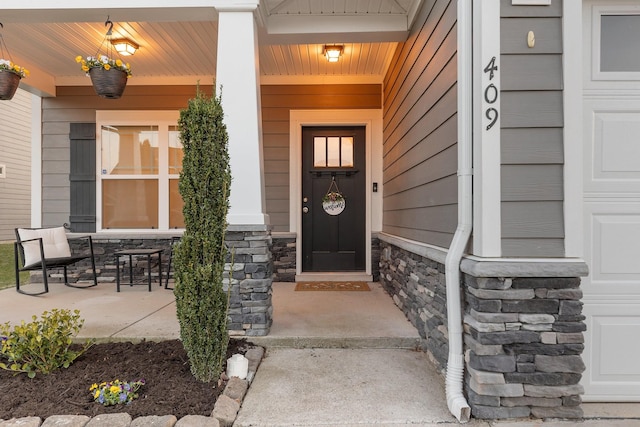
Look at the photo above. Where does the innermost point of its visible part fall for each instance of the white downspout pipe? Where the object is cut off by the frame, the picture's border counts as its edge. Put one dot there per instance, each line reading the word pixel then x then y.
pixel 456 401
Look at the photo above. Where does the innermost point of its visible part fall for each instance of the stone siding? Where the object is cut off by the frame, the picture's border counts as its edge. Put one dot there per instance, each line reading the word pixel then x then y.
pixel 251 307
pixel 417 286
pixel 284 259
pixel 523 340
pixel 523 335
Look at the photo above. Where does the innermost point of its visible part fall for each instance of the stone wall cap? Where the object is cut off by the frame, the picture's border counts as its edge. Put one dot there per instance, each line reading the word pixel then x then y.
pixel 525 268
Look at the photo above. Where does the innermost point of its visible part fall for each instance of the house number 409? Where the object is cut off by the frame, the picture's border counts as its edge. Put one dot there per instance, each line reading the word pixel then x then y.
pixel 491 94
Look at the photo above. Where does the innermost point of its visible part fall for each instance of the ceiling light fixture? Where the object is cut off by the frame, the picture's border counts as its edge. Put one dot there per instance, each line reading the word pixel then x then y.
pixel 333 52
pixel 125 47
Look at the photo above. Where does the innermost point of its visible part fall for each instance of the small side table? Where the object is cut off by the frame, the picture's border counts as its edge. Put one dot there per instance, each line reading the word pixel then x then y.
pixel 134 253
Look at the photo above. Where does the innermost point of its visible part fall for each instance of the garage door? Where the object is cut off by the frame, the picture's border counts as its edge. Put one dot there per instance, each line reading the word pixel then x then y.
pixel 612 200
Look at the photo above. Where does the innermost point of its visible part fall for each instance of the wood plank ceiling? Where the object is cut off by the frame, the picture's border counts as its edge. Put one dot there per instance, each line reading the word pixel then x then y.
pixel 291 35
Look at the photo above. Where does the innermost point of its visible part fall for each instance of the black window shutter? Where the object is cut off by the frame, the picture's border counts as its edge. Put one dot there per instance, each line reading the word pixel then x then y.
pixel 82 177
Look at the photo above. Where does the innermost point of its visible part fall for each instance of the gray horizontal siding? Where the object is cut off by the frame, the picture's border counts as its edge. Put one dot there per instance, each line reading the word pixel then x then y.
pixel 531 109
pixel 531 146
pixel 531 220
pixel 277 102
pixel 536 182
pixel 420 130
pixel 548 35
pixel 531 72
pixel 532 152
pixel 507 9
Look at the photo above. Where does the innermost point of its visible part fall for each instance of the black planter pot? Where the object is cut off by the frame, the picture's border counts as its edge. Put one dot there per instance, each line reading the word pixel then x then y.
pixel 108 83
pixel 8 84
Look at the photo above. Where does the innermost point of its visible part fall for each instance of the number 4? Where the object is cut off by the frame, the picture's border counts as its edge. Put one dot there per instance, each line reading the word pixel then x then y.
pixel 491 67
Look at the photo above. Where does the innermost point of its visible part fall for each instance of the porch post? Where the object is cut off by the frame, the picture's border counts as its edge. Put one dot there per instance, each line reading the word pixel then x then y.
pixel 248 232
pixel 238 76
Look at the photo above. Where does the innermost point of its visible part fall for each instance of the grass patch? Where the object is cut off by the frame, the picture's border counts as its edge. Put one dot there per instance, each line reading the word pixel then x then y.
pixel 7 269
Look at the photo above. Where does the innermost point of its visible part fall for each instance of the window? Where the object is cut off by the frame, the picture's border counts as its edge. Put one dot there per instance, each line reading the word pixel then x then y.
pixel 616 35
pixel 139 159
pixel 333 152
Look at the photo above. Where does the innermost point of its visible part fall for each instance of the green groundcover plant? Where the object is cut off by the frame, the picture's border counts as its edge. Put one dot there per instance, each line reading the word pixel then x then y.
pixel 41 346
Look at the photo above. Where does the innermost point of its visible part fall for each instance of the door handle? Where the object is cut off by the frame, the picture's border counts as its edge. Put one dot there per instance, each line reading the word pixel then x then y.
pixel 305 209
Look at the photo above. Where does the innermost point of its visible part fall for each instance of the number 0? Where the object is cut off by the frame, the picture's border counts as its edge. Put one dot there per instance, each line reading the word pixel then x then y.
pixel 491 94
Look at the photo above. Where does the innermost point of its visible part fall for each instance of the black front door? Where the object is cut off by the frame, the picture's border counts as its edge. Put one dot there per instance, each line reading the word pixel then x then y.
pixel 333 161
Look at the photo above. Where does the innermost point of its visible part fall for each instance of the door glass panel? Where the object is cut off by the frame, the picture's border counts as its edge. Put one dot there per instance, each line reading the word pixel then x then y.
pixel 333 151
pixel 175 151
pixel 176 219
pixel 619 41
pixel 347 152
pixel 319 152
pixel 130 203
pixel 129 150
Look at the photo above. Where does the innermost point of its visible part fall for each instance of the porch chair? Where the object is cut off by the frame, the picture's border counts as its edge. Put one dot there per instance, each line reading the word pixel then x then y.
pixel 43 248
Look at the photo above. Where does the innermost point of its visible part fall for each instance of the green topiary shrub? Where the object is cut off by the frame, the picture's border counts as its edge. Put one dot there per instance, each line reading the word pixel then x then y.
pixel 41 346
pixel 204 185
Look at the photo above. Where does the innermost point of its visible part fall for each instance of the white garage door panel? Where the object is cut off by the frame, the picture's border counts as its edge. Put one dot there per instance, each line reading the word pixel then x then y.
pixel 612 155
pixel 618 158
pixel 614 247
pixel 614 372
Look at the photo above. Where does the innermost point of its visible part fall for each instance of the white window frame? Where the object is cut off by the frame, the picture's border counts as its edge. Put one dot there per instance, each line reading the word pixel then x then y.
pixel 163 120
pixel 598 12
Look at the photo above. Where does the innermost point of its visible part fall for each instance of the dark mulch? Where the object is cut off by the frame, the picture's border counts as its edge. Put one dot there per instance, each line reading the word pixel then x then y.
pixel 170 387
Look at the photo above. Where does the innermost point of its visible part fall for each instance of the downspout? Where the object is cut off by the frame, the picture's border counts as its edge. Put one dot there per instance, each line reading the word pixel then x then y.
pixel 456 401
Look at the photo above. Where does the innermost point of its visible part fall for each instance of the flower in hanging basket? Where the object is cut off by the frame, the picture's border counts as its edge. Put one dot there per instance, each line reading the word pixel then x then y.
pixel 103 62
pixel 10 75
pixel 6 65
pixel 108 76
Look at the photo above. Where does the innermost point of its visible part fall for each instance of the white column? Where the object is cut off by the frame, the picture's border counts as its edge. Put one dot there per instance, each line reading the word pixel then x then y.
pixel 238 77
pixel 487 232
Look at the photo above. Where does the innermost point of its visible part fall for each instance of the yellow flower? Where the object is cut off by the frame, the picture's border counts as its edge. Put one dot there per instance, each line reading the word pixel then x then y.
pixel 114 389
pixel 79 59
pixel 85 68
pixel 96 394
pixel 107 67
pixel 119 62
pixel 93 386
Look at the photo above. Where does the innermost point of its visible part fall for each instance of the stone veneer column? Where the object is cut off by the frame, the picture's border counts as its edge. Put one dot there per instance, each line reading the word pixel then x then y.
pixel 523 327
pixel 523 339
pixel 250 305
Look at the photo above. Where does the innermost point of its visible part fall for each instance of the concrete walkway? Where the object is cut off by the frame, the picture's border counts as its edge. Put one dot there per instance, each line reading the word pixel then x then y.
pixel 333 358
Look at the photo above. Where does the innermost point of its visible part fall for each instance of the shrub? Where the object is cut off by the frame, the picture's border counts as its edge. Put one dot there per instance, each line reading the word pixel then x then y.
pixel 204 185
pixel 41 346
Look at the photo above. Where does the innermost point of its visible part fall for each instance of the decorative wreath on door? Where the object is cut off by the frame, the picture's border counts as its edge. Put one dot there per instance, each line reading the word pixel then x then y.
pixel 333 202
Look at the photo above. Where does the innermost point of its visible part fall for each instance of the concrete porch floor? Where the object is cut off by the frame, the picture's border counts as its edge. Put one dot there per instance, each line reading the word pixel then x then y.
pixel 333 358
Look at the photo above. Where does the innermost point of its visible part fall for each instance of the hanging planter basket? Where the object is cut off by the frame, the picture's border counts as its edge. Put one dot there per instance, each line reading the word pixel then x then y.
pixel 9 82
pixel 108 83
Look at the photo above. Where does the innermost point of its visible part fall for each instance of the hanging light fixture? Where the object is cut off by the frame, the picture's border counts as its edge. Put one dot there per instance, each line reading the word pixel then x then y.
pixel 124 46
pixel 333 52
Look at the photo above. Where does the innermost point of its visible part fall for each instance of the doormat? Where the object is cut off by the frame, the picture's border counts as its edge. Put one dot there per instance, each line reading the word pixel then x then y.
pixel 332 286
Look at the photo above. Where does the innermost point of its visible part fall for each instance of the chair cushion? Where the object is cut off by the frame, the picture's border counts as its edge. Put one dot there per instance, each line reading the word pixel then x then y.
pixel 54 241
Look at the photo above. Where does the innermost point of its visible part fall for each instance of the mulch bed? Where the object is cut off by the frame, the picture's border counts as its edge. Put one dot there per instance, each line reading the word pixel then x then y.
pixel 170 387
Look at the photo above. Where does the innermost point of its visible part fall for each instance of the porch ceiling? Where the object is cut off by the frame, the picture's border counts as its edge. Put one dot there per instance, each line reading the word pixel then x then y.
pixel 178 44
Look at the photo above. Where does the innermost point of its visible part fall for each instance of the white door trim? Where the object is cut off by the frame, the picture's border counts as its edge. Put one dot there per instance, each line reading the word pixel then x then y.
pixel 372 121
